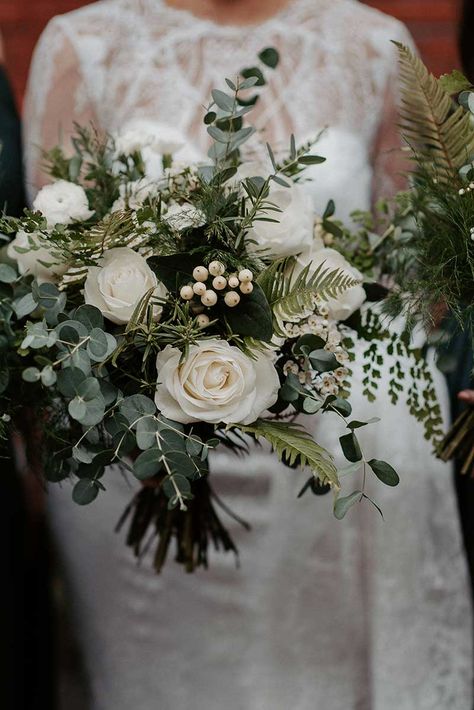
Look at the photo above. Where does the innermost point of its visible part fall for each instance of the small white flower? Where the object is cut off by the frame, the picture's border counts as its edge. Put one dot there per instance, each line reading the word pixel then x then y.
pixel 140 133
pixel 119 282
pixel 41 260
pixel 63 202
pixel 216 383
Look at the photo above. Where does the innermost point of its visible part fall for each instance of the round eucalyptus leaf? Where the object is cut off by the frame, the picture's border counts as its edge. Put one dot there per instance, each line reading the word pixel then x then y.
pixel 69 380
pixel 77 408
pixel 79 359
pixel 7 274
pixel 90 316
pixel 31 374
pixel 97 347
pixel 194 445
pixel 178 481
pixel 85 491
pixel 136 406
pixel 48 376
pixel 147 429
pixel 147 464
pixel 181 463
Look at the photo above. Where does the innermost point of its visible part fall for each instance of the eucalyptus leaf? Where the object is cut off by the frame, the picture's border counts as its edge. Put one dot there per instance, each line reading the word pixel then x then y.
pixel 7 274
pixel 85 491
pixel 350 447
pixel 384 472
pixel 147 464
pixel 344 503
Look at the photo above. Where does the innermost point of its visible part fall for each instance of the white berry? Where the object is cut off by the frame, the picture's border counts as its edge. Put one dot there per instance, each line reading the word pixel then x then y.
pixel 200 273
pixel 219 282
pixel 231 299
pixel 187 293
pixel 216 268
pixel 233 281
pixel 199 288
pixel 209 298
pixel 245 275
pixel 203 320
pixel 246 287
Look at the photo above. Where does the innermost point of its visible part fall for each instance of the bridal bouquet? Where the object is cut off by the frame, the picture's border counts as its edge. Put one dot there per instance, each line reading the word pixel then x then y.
pixel 435 254
pixel 154 308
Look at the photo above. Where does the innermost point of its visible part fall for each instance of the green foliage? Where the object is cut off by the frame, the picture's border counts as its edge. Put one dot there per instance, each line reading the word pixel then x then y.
pixel 294 445
pixel 290 295
pixel 441 134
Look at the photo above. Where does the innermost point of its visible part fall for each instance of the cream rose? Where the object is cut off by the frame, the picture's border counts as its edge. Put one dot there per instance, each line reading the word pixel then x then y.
pixel 293 233
pixel 41 259
pixel 349 300
pixel 140 133
pixel 63 202
pixel 119 282
pixel 216 383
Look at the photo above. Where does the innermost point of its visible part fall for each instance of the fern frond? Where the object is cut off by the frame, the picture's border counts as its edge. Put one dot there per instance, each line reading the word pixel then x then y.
pixel 290 297
pixel 295 445
pixel 435 127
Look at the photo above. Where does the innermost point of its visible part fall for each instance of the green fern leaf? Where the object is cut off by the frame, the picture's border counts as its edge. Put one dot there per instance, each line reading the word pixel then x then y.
pixel 291 297
pixel 439 131
pixel 294 444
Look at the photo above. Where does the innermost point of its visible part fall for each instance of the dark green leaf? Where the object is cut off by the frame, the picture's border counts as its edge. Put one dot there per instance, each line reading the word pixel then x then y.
pixel 270 57
pixel 252 317
pixel 350 447
pixel 147 464
pixel 323 360
pixel 384 472
pixel 85 491
pixel 311 159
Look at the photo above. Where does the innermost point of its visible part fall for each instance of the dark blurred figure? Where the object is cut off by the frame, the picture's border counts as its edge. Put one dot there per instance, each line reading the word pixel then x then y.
pixel 25 624
pixel 461 377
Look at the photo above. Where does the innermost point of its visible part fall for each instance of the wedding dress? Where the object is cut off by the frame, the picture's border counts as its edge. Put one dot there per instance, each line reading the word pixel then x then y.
pixel 363 614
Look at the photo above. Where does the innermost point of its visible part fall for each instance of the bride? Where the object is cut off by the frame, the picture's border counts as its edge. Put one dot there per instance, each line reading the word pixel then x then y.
pixel 362 614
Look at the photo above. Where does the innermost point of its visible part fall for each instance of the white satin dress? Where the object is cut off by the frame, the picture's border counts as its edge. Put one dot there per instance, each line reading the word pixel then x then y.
pixel 362 614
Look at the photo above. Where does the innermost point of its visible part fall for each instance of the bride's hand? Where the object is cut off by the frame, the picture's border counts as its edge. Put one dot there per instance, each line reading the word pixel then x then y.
pixel 467 396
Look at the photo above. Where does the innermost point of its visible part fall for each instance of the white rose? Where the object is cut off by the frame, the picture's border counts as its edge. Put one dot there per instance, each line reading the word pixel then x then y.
pixel 293 233
pixel 63 202
pixel 41 259
pixel 184 216
pixel 349 300
pixel 116 286
pixel 133 194
pixel 216 383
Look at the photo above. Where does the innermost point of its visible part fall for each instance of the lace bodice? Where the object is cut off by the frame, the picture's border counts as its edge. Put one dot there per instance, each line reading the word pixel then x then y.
pixel 118 59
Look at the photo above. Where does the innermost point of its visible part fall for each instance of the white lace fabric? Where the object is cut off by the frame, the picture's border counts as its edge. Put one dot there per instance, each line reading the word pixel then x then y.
pixel 353 615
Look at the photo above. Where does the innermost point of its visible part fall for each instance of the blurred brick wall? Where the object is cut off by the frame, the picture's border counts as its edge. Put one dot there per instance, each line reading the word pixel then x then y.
pixel 433 23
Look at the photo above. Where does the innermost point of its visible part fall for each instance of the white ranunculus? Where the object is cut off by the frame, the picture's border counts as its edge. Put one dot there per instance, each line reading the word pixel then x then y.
pixel 41 259
pixel 349 300
pixel 293 233
pixel 216 383
pixel 119 282
pixel 63 202
pixel 133 194
pixel 184 216
pixel 140 133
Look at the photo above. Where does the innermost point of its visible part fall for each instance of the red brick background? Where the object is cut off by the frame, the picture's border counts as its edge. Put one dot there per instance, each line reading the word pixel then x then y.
pixel 433 23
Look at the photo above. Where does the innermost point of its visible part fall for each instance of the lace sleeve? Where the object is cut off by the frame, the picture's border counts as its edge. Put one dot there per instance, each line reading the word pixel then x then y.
pixel 389 160
pixel 56 96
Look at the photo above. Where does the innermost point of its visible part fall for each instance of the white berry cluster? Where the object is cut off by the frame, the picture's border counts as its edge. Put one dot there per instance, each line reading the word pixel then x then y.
pixel 464 190
pixel 213 281
pixel 471 232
